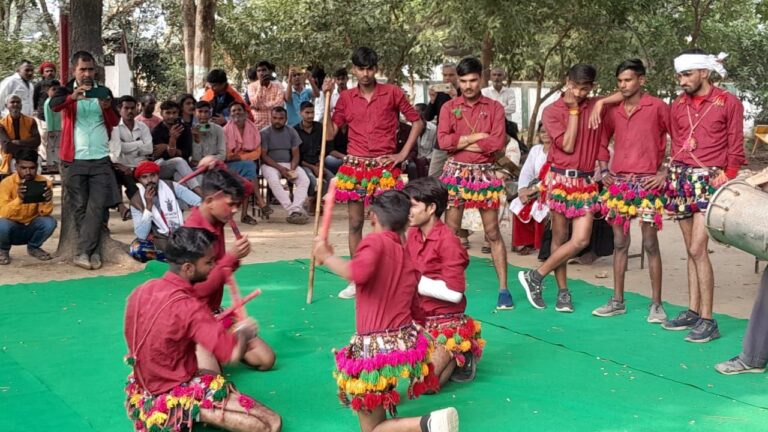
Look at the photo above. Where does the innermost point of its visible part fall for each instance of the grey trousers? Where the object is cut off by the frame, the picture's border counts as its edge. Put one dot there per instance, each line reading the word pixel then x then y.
pixel 755 350
pixel 436 164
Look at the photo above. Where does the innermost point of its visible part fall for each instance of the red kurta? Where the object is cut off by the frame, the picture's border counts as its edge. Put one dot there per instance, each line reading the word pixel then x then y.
pixel 373 125
pixel 386 281
pixel 640 139
pixel 458 118
pixel 211 291
pixel 442 257
pixel 719 135
pixel 591 144
pixel 166 357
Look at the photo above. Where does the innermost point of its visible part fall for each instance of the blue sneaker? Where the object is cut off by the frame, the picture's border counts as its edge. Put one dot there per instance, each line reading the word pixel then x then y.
pixel 505 301
pixel 685 320
pixel 704 331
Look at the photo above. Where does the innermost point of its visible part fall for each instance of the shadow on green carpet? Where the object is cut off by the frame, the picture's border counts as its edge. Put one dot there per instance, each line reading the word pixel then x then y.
pixel 62 347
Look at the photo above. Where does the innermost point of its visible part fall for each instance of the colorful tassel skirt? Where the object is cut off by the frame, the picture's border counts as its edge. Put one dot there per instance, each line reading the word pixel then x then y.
pixel 360 179
pixel 572 197
pixel 368 369
pixel 458 334
pixel 627 199
pixel 688 190
pixel 472 185
pixel 179 407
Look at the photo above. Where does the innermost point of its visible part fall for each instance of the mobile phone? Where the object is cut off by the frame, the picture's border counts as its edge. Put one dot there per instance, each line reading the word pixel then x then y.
pixel 203 127
pixel 442 88
pixel 35 192
pixel 97 93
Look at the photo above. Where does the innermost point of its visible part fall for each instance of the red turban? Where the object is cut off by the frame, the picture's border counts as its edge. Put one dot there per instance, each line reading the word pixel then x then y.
pixel 46 64
pixel 146 167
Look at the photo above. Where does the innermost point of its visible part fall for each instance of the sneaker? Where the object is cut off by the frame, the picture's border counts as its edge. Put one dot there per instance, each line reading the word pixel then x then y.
pixel 95 261
pixel 704 331
pixel 467 372
pixel 532 289
pixel 685 320
pixel 656 313
pixel 564 302
pixel 736 366
pixel 5 257
pixel 348 292
pixel 505 301
pixel 82 261
pixel 39 254
pixel 444 420
pixel 612 308
pixel 297 218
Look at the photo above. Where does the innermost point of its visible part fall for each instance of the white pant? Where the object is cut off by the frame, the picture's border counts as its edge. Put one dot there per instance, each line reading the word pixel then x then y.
pixel 176 168
pixel 299 191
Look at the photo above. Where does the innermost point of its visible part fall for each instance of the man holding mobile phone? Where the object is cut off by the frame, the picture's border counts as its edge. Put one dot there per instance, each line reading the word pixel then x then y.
pixel 26 204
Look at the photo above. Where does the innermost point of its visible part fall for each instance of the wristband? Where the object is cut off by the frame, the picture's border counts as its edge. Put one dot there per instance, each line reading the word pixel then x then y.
pixel 604 170
pixel 732 172
pixel 573 111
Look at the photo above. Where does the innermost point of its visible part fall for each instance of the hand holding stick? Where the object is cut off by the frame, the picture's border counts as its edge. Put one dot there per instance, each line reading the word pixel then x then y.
pixel 238 305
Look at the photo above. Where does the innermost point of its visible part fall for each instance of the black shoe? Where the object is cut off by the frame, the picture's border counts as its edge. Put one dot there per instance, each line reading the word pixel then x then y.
pixel 685 320
pixel 532 289
pixel 704 331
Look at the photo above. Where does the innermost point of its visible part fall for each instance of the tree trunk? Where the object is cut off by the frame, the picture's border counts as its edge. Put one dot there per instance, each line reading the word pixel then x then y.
pixel 486 57
pixel 188 12
pixel 204 22
pixel 21 8
pixel 48 19
pixel 85 30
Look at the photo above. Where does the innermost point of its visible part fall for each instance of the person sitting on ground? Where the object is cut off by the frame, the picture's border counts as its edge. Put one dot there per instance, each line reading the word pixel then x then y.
pixel 17 131
pixel 147 116
pixel 156 212
pixel 220 95
pixel 172 146
pixel 243 151
pixel 311 135
pixel 280 155
pixel 129 144
pixel 208 137
pixel 164 322
pixel 187 111
pixel 223 193
pixel 386 281
pixel 25 209
pixel 442 260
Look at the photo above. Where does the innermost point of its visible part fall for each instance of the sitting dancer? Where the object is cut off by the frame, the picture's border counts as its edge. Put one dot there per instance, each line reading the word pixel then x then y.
pixel 156 211
pixel 387 344
pixel 441 259
pixel 572 193
pixel 168 389
pixel 222 196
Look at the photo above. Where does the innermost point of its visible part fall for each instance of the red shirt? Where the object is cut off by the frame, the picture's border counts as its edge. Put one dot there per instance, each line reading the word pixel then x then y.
pixel 458 118
pixel 720 132
pixel 386 281
pixel 167 358
pixel 591 144
pixel 373 125
pixel 211 291
pixel 440 256
pixel 640 139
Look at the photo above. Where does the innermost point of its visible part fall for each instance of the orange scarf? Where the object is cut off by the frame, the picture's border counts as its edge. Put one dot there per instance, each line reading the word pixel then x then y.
pixel 25 123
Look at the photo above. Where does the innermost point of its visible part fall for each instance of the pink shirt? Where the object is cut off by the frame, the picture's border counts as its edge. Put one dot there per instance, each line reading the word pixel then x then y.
pixel 167 358
pixel 151 122
pixel 373 125
pixel 719 135
pixel 591 144
pixel 386 282
pixel 640 139
pixel 459 118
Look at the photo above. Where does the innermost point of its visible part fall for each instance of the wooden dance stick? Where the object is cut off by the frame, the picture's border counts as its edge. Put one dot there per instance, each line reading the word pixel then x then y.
pixel 238 305
pixel 327 214
pixel 193 174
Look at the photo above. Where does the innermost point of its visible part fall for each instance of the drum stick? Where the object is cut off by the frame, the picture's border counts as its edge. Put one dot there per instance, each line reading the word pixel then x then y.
pixel 235 229
pixel 193 174
pixel 238 305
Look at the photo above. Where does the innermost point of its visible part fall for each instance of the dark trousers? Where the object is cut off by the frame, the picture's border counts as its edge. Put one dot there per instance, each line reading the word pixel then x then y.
pixel 91 190
pixel 755 349
pixel 33 234
pixel 127 181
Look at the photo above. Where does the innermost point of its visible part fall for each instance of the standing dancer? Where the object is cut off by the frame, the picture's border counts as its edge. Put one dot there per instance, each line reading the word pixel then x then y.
pixel 635 185
pixel 168 389
pixel 707 129
pixel 572 193
pixel 372 165
pixel 442 260
pixel 387 345
pixel 471 130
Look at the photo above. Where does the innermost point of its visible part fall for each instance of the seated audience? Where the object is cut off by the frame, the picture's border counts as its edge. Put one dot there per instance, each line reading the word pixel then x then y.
pixel 220 95
pixel 311 134
pixel 17 131
pixel 172 146
pixel 147 116
pixel 208 138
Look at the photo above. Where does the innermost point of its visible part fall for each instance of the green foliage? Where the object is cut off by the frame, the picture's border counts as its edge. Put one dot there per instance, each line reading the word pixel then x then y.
pixel 36 51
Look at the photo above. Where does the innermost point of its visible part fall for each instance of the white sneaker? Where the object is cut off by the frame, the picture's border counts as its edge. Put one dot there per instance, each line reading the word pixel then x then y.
pixel 348 292
pixel 444 420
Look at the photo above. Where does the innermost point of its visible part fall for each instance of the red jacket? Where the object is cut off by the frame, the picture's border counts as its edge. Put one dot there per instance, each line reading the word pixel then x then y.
pixel 62 102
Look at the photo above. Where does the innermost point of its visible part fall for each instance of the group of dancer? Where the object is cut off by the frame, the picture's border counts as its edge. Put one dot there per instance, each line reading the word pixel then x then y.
pixel 408 275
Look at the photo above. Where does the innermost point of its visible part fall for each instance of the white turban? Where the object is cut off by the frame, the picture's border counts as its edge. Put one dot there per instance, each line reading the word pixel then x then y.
pixel 686 62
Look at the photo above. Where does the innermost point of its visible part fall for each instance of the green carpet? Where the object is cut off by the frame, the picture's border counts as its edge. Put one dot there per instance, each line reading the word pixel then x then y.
pixel 62 347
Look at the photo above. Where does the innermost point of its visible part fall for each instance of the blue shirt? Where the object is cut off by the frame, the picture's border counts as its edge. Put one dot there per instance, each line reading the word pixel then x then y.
pixel 294 116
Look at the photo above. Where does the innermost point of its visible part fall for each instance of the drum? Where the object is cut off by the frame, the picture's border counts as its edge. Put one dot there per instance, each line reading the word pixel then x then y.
pixel 737 216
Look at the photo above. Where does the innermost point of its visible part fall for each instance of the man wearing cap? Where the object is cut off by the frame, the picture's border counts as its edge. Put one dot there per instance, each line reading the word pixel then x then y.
pixel 156 211
pixel 706 126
